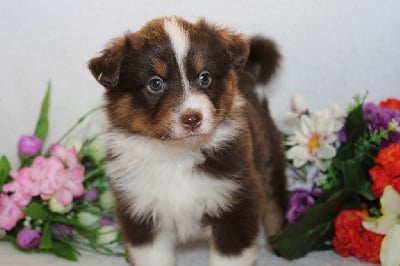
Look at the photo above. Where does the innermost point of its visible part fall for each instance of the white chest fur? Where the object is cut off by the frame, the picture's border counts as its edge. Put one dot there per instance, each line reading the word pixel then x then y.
pixel 163 183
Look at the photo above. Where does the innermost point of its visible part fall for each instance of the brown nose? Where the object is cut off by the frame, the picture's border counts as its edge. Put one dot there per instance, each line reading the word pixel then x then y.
pixel 191 120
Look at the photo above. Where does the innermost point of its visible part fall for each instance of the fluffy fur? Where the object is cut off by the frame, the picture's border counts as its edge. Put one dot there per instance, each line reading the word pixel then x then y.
pixel 192 149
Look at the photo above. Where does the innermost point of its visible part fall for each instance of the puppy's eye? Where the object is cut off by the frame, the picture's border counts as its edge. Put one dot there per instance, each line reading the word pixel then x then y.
pixel 155 84
pixel 204 79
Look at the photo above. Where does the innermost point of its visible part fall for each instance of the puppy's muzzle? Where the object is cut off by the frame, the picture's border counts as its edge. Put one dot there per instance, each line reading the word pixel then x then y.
pixel 191 119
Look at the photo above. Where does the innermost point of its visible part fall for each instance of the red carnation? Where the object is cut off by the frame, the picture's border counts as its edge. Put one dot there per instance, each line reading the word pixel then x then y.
pixel 391 103
pixel 387 170
pixel 351 238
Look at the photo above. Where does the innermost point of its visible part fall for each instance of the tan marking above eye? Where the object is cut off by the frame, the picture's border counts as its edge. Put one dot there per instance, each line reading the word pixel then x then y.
pixel 160 67
pixel 198 63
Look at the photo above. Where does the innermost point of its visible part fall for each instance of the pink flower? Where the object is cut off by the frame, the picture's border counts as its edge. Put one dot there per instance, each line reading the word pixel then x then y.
pixel 28 238
pixel 67 184
pixel 10 213
pixel 68 157
pixel 34 180
pixel 19 193
pixel 59 176
pixel 43 171
pixel 29 145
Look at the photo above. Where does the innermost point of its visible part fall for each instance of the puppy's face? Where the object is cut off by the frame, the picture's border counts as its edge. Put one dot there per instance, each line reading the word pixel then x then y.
pixel 172 80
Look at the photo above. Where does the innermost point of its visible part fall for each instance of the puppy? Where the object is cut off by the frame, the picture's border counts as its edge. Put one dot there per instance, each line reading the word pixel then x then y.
pixel 193 151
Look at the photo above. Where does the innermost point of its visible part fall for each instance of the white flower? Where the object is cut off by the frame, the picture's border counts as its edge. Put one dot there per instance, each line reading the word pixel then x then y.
pixel 390 255
pixel 390 208
pixel 339 113
pixel 298 104
pixel 57 207
pixel 313 140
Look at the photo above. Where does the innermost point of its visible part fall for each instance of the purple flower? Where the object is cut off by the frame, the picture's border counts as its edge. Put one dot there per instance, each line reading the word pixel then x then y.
pixel 378 118
pixel 28 238
pixel 300 202
pixel 29 145
pixel 62 230
pixel 105 220
pixel 91 195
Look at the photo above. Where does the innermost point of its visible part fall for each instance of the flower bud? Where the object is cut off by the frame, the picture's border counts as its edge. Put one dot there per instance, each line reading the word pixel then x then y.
pixel 62 230
pixel 97 149
pixel 73 143
pixel 298 104
pixel 28 238
pixel 107 235
pixel 91 195
pixel 29 145
pixel 105 220
pixel 107 200
pixel 57 207
pixel 88 219
pixel 3 233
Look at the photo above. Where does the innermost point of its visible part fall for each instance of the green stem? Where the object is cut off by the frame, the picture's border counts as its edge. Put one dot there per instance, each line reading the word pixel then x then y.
pixel 93 174
pixel 80 120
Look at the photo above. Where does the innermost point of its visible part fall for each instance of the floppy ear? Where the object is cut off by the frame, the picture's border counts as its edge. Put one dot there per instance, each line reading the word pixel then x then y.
pixel 238 48
pixel 106 67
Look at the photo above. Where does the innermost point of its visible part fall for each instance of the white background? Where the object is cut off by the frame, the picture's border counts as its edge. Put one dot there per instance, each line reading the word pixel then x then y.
pixel 332 50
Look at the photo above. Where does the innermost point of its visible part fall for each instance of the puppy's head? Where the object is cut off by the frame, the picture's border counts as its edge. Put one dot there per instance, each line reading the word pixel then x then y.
pixel 172 80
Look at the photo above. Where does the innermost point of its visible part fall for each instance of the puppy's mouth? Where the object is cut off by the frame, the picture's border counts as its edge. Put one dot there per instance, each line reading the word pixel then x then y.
pixel 191 136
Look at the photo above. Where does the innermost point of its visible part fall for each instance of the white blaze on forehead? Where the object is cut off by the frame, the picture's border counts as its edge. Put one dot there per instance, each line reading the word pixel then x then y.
pixel 180 44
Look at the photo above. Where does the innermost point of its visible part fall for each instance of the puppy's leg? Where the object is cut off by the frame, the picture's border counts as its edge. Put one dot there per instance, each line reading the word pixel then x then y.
pixel 246 258
pixel 234 233
pixel 160 252
pixel 146 245
pixel 274 217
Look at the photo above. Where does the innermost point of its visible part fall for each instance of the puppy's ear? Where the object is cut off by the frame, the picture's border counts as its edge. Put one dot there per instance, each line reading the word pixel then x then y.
pixel 106 67
pixel 238 48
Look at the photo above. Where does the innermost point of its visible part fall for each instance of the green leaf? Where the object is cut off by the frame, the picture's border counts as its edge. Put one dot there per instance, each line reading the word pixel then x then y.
pixel 65 251
pixel 42 125
pixel 313 232
pixel 355 125
pixel 355 129
pixel 356 180
pixel 5 168
pixel 72 222
pixel 47 241
pixel 36 211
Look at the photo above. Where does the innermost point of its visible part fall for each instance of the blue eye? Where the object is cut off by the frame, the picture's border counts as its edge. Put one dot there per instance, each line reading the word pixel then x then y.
pixel 204 79
pixel 155 84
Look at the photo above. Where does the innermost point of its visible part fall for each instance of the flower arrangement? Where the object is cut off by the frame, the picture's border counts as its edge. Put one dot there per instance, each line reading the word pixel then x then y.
pixel 59 200
pixel 344 177
pixel 343 172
